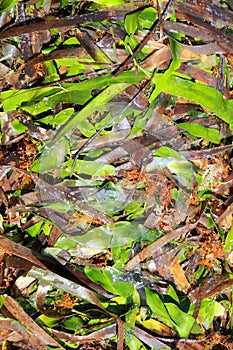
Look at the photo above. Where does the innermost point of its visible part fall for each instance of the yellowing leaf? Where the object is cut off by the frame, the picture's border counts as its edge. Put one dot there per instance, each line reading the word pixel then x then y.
pixel 154 325
pixel 179 276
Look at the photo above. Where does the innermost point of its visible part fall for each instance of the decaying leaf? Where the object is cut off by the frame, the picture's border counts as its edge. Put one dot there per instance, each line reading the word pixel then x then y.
pixel 116 174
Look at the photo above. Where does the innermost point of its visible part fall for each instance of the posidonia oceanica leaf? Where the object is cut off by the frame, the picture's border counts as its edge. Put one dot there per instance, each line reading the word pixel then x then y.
pixel 182 168
pixel 167 152
pixel 172 293
pixel 204 95
pixel 92 168
pixel 62 116
pixel 19 128
pixel 157 307
pixel 165 157
pixel 144 18
pixel 37 107
pixel 73 323
pixel 61 207
pixel 65 242
pixel 171 315
pixel 210 309
pixel 79 93
pixel 6 5
pixel 198 130
pixel 228 245
pixel 13 99
pixel 101 99
pixel 86 128
pixel 134 343
pixel 183 322
pixel 51 158
pixel 108 279
pixel 123 233
pixel 147 17
pixel 161 81
pixel 131 22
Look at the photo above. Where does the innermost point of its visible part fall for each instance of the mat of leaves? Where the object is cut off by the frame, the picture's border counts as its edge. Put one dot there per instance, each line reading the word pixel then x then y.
pixel 116 174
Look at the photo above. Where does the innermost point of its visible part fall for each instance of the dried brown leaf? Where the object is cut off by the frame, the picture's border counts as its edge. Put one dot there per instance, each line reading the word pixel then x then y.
pixel 38 337
pixel 13 248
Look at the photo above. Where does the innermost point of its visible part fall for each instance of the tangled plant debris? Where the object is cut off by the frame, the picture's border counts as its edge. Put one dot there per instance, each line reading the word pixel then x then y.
pixel 116 227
